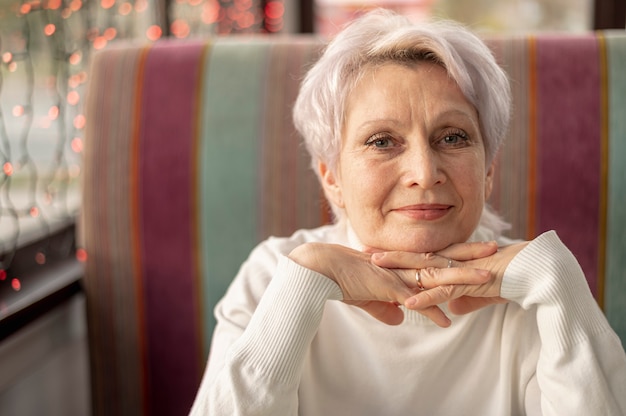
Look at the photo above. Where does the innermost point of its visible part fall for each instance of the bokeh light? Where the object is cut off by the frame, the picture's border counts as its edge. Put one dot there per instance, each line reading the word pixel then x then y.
pixel 154 32
pixel 110 33
pixel 18 110
pixel 76 5
pixel 7 168
pixel 73 98
pixel 125 9
pixel 77 144
pixel 81 255
pixel 40 258
pixel 75 58
pixel 180 28
pixel 49 29
pixel 54 4
pixel 53 112
pixel 79 121
pixel 25 8
pixel 107 4
pixel 99 42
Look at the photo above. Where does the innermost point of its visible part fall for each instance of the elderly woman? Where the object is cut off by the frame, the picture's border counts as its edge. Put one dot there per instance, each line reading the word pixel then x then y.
pixel 412 302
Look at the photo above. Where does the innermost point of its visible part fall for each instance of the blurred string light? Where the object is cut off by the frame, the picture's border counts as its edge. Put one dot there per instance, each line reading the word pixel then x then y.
pixel 195 17
pixel 44 53
pixel 45 47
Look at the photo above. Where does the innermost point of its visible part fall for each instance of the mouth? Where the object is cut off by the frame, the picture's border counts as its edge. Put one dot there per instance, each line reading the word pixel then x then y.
pixel 425 212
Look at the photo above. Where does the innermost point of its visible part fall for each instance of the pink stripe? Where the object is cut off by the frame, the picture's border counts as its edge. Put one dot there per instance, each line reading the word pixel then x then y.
pixel 568 144
pixel 165 203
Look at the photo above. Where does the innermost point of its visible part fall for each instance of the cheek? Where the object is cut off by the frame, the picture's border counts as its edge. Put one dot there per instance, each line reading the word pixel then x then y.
pixel 365 186
pixel 471 184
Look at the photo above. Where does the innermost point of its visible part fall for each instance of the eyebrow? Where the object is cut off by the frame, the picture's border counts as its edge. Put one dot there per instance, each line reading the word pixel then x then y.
pixel 455 111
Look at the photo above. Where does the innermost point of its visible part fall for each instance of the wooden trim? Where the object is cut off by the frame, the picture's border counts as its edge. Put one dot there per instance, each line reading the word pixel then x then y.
pixel 307 16
pixel 47 289
pixel 609 14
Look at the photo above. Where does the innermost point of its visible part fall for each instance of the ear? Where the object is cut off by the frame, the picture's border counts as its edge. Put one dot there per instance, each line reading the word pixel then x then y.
pixel 489 179
pixel 331 185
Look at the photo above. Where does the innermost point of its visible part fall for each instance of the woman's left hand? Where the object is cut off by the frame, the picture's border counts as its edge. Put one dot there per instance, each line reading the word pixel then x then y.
pixel 436 281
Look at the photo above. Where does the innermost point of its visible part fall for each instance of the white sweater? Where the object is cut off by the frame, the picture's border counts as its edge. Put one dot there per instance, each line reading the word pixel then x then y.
pixel 286 345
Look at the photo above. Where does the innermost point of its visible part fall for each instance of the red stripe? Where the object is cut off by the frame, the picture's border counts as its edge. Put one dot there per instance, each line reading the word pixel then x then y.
pixel 166 178
pixel 569 143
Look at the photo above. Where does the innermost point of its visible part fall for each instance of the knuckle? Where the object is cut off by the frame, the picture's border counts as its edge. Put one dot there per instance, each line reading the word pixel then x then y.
pixel 448 291
pixel 429 256
pixel 430 272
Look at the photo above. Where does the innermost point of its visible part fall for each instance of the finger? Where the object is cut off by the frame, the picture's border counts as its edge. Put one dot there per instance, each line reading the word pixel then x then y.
pixel 469 251
pixel 435 296
pixel 386 312
pixel 467 304
pixel 435 314
pixel 432 277
pixel 407 260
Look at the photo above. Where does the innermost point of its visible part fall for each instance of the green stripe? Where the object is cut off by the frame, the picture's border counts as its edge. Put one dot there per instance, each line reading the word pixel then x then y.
pixel 228 152
pixel 615 293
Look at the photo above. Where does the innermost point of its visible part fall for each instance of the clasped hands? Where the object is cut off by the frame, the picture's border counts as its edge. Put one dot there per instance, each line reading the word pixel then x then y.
pixel 379 282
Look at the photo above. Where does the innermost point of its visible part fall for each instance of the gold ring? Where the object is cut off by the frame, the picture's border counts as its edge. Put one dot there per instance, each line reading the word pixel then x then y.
pixel 417 279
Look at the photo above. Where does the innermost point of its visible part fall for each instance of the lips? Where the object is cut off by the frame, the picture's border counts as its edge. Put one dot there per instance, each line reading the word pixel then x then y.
pixel 426 212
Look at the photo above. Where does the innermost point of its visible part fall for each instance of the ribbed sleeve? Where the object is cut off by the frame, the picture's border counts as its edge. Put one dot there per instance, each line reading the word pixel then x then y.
pixel 546 276
pixel 286 321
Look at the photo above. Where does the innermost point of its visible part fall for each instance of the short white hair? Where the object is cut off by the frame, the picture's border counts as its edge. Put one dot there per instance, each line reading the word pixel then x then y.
pixel 380 37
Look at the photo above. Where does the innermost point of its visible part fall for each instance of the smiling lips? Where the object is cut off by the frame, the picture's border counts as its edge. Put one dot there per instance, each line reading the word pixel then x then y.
pixel 427 212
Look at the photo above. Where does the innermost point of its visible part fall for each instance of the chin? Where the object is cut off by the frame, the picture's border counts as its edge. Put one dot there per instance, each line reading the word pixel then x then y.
pixel 428 242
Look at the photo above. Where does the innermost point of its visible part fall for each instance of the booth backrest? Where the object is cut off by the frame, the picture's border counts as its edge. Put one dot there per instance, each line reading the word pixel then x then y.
pixel 191 159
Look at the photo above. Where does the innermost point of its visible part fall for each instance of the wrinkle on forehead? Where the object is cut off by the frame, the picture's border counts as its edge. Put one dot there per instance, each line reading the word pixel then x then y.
pixel 397 90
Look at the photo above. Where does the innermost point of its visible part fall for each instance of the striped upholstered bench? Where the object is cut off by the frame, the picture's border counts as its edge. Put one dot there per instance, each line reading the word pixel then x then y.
pixel 191 159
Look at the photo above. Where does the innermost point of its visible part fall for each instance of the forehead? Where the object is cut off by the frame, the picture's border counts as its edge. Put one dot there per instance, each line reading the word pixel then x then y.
pixel 396 88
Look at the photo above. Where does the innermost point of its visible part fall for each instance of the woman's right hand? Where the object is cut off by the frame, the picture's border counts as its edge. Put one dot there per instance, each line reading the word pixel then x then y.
pixel 461 297
pixel 379 290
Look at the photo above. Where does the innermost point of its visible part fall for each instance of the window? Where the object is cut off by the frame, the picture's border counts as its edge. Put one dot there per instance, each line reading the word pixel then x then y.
pixel 45 46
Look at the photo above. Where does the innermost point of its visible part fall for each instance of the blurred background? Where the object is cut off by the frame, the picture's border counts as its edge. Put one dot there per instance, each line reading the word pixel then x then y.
pixel 45 47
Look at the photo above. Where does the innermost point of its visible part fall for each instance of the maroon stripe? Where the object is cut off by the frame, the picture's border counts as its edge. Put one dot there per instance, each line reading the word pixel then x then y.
pixel 568 144
pixel 165 203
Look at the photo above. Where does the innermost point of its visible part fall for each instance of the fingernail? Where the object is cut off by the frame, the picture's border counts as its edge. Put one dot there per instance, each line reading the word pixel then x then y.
pixel 410 302
pixel 377 256
pixel 484 273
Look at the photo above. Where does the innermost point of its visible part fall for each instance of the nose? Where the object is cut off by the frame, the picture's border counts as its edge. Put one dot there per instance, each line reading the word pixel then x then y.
pixel 422 167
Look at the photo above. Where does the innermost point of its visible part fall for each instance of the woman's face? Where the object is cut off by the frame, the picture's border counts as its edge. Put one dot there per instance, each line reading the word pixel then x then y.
pixel 411 173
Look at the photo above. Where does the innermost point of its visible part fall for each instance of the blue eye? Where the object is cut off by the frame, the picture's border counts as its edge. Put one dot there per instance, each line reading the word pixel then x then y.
pixel 454 139
pixel 451 139
pixel 380 142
